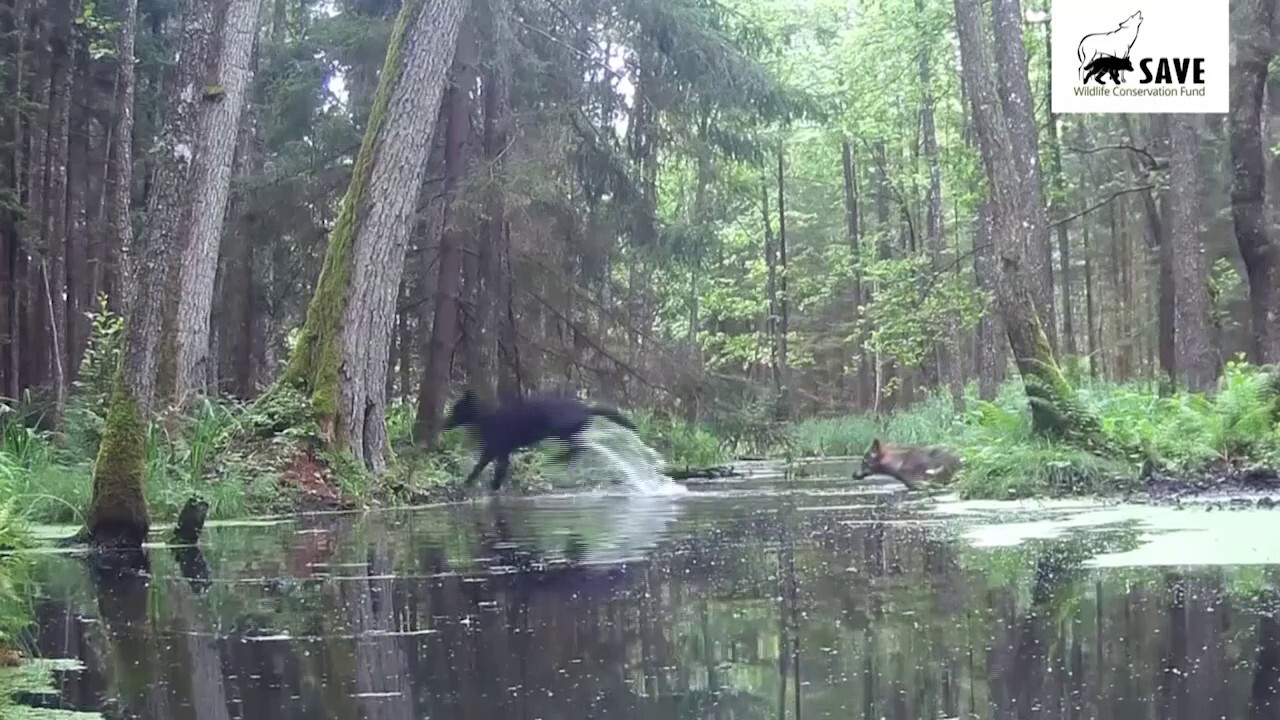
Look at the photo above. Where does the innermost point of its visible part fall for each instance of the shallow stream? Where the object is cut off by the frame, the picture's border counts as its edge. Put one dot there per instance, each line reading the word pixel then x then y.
pixel 765 597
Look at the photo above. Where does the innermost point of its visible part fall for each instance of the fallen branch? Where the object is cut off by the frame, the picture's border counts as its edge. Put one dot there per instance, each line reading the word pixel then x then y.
pixel 707 473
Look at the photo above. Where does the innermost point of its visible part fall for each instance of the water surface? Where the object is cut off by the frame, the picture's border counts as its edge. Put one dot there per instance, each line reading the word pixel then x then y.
pixel 762 598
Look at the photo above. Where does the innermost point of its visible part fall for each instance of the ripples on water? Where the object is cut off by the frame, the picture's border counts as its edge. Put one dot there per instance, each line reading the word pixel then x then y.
pixel 716 604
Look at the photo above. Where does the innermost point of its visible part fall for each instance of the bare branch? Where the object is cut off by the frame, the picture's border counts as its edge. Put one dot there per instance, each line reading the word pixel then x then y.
pixel 1105 201
pixel 1150 161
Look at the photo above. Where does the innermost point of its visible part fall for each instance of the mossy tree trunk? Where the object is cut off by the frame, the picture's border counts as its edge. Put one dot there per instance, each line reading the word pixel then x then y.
pixel 118 514
pixel 1054 409
pixel 341 358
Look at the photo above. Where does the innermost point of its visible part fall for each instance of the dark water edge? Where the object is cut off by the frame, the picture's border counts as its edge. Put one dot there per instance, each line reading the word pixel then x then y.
pixel 716 605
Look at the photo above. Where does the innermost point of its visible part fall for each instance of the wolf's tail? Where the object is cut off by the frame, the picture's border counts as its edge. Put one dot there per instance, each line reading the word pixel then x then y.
pixel 613 415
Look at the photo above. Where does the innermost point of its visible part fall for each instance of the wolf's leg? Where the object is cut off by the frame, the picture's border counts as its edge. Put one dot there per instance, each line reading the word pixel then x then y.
pixel 500 472
pixel 485 459
pixel 573 447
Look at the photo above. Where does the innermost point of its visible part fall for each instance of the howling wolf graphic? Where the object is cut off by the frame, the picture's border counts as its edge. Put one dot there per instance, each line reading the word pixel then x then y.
pixel 1115 43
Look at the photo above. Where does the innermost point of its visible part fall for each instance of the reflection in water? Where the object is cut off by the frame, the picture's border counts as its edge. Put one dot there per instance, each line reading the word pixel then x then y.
pixel 746 607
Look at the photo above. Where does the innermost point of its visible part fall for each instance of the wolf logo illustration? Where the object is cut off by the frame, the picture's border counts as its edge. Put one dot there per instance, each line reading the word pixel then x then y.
pixel 1114 44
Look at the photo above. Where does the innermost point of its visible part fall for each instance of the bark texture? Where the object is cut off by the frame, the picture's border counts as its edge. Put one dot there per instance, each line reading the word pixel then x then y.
pixel 341 356
pixel 120 161
pixel 1054 409
pixel 1249 177
pixel 220 123
pixel 444 324
pixel 1016 99
pixel 991 357
pixel 118 514
pixel 1193 351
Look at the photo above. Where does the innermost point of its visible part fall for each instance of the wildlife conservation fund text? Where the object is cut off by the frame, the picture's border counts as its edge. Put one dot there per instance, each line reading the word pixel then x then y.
pixel 1138 91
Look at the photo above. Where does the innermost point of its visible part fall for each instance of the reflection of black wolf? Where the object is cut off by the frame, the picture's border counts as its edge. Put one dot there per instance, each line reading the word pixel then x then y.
pixel 524 423
pixel 1107 65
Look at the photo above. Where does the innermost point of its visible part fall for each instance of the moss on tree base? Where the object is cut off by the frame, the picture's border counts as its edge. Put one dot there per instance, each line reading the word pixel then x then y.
pixel 118 513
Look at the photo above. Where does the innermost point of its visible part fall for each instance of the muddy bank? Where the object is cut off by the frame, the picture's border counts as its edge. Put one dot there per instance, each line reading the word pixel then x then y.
pixel 1222 485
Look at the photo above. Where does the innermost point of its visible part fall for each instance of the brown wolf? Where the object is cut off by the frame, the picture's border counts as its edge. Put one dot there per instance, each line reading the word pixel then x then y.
pixel 912 465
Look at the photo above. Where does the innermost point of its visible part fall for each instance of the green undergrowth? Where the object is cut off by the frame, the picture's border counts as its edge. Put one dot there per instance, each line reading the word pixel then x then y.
pixel 1184 434
pixel 36 676
pixel 265 457
pixel 16 610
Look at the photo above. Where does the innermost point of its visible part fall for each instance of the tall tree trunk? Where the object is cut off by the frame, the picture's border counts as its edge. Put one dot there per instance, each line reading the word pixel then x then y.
pixel 1248 181
pixel 1157 241
pixel 79 276
pixel 341 353
pixel 470 240
pixel 54 237
pixel 117 275
pixel 947 350
pixel 784 400
pixel 244 312
pixel 1054 409
pixel 771 290
pixel 220 124
pixel 444 326
pixel 1057 204
pixel 403 362
pixel 497 81
pixel 35 341
pixel 855 241
pixel 1116 303
pixel 13 43
pixel 118 515
pixel 991 343
pixel 1129 339
pixel 1194 360
pixel 1091 326
pixel 1017 99
pixel 884 371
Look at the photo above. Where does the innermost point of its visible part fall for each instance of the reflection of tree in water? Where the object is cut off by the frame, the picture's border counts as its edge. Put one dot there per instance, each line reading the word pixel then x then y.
pixel 137 677
pixel 888 622
pixel 1265 688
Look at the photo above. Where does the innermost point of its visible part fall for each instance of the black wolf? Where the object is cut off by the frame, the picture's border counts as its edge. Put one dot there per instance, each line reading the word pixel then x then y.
pixel 522 423
pixel 911 465
pixel 1107 65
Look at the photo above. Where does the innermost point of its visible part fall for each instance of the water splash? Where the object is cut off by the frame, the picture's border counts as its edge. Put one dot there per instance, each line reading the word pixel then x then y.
pixel 617 458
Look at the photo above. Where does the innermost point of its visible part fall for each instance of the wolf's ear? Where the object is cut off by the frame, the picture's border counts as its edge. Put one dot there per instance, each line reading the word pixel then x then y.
pixel 874 450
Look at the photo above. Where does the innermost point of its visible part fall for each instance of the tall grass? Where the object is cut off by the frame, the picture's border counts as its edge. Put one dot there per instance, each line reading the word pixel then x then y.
pixel 49 477
pixel 16 610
